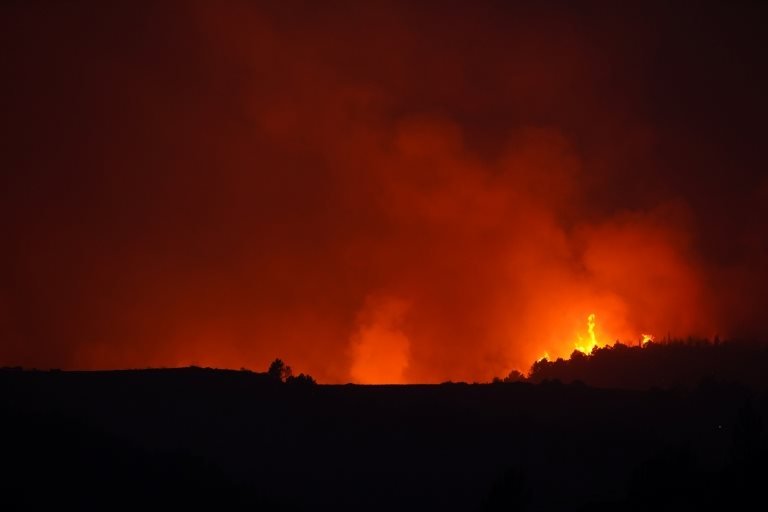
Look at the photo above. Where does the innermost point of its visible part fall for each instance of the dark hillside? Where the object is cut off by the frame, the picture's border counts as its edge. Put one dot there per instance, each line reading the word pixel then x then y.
pixel 239 439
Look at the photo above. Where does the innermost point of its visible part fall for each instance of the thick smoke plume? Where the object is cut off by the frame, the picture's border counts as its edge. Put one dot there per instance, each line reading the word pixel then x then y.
pixel 375 192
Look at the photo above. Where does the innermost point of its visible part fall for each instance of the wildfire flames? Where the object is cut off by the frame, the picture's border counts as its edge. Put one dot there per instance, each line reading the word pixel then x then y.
pixel 335 189
pixel 591 343
pixel 586 346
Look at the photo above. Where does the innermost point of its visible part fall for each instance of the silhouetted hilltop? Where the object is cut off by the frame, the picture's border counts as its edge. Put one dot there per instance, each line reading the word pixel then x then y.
pixel 666 365
pixel 186 376
pixel 196 438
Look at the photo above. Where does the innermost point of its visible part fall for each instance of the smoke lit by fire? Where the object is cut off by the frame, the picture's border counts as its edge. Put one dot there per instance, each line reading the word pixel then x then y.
pixel 375 193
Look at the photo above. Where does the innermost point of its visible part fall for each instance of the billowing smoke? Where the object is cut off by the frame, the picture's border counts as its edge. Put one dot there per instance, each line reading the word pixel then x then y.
pixel 375 192
pixel 380 349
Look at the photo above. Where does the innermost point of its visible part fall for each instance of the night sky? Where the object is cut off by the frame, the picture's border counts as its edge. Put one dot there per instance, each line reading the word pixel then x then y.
pixel 377 191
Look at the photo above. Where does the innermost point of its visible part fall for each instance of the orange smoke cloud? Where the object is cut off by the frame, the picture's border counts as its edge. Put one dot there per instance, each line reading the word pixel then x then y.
pixel 379 347
pixel 374 193
pixel 493 266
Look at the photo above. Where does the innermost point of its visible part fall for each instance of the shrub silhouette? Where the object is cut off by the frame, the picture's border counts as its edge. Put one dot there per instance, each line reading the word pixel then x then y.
pixel 300 380
pixel 279 371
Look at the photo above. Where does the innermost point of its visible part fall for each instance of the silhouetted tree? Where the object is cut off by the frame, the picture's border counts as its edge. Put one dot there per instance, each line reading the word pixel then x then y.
pixel 514 376
pixel 279 371
pixel 300 380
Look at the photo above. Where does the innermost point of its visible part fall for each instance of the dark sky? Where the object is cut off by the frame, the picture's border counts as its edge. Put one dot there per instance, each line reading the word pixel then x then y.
pixel 377 191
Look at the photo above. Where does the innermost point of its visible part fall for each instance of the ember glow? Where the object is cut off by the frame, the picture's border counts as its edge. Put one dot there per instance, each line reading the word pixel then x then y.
pixel 378 192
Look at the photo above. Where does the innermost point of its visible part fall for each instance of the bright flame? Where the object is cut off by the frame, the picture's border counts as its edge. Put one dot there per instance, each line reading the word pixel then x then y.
pixel 587 347
pixel 591 329
pixel 587 344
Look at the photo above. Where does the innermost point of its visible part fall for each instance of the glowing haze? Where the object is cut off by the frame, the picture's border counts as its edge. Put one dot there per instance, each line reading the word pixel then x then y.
pixel 376 192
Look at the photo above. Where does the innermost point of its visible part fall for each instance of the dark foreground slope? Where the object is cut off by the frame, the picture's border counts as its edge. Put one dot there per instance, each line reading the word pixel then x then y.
pixel 226 440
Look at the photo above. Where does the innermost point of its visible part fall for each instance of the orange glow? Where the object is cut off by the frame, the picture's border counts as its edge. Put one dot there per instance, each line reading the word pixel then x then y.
pixel 345 194
pixel 379 347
